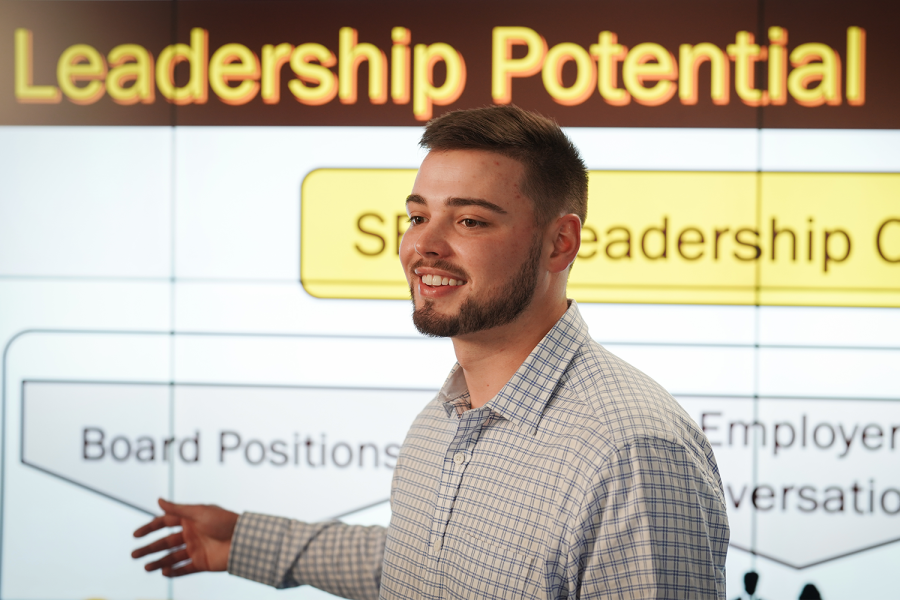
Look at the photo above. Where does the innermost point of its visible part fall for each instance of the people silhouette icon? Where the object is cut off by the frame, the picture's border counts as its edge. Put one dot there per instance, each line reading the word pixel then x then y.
pixel 810 592
pixel 751 579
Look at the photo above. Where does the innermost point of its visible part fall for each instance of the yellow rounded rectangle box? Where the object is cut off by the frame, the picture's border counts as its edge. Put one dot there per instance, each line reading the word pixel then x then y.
pixel 680 237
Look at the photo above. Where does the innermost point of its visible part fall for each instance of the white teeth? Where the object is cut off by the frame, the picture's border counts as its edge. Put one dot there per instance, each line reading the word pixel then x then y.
pixel 437 281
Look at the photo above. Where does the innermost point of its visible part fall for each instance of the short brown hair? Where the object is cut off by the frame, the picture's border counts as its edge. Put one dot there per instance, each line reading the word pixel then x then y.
pixel 555 176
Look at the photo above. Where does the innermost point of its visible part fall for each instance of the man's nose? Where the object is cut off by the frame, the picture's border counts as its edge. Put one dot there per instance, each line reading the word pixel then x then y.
pixel 432 241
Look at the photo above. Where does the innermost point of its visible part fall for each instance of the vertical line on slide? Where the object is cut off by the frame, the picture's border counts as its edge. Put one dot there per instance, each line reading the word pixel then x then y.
pixel 757 309
pixel 3 441
pixel 173 203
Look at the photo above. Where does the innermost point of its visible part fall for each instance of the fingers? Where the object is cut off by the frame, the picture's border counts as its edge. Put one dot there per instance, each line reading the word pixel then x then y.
pixel 182 510
pixel 170 541
pixel 168 560
pixel 157 523
pixel 172 518
pixel 179 571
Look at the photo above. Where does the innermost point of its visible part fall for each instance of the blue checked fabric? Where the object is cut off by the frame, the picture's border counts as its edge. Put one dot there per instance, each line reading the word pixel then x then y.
pixel 582 478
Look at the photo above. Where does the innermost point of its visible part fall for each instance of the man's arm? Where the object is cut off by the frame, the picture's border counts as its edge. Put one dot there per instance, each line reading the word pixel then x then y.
pixel 344 560
pixel 653 527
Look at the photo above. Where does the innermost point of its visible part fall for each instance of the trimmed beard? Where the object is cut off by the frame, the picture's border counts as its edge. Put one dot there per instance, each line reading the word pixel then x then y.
pixel 476 314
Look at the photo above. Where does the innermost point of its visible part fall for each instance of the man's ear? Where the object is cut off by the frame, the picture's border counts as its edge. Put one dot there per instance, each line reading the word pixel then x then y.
pixel 566 242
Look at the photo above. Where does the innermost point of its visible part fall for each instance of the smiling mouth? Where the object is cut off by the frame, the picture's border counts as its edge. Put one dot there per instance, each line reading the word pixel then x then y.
pixel 437 281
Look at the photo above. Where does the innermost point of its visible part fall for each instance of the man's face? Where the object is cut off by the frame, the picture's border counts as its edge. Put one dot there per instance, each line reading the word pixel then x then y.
pixel 473 230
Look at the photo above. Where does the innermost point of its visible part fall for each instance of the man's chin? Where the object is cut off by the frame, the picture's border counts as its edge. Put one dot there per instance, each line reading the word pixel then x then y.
pixel 434 324
pixel 442 308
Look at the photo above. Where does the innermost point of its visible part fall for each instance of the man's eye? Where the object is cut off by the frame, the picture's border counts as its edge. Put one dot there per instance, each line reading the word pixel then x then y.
pixel 472 223
pixel 416 220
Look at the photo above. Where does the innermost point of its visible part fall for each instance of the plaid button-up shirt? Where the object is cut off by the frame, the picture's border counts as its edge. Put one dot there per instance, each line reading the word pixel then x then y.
pixel 581 478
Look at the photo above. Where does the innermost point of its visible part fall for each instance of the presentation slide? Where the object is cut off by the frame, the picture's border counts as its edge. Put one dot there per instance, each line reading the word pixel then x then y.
pixel 201 205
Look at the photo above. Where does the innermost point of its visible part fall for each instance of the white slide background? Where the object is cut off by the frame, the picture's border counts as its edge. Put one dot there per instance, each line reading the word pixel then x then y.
pixel 149 287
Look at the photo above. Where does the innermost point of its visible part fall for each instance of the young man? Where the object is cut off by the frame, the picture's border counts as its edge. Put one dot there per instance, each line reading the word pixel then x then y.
pixel 545 467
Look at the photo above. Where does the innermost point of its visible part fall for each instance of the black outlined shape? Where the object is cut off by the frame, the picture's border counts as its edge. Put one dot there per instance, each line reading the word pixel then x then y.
pixel 52 473
pixel 768 555
pixel 756 288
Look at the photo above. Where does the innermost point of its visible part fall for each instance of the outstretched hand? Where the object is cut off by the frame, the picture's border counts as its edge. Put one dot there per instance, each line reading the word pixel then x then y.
pixel 204 539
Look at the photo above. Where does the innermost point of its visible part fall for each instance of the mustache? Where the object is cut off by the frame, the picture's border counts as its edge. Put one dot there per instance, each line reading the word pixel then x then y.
pixel 442 265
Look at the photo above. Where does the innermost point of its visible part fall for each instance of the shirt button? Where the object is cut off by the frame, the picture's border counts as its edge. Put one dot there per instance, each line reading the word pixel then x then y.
pixel 436 546
pixel 460 458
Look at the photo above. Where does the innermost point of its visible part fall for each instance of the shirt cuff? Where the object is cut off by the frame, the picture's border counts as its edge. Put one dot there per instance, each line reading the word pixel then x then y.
pixel 255 547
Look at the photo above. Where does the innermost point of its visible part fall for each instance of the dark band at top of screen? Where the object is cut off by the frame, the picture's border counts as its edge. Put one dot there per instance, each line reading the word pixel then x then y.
pixel 742 64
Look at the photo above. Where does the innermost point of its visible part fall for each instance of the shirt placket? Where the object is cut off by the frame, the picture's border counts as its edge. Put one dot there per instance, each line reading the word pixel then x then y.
pixel 458 455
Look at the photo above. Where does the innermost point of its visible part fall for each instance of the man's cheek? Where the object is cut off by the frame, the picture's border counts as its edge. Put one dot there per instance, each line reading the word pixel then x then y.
pixel 405 252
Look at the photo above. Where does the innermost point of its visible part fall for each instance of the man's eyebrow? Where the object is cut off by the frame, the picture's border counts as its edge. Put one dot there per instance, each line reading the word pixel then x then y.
pixel 456 202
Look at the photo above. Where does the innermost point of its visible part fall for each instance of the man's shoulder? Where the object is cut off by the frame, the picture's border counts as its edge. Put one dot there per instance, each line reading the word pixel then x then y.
pixel 619 404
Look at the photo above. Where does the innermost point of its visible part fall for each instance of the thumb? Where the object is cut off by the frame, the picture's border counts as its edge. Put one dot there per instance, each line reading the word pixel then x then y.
pixel 188 511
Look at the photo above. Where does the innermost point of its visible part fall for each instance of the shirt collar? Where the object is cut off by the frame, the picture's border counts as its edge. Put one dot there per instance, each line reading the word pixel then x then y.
pixel 454 392
pixel 523 398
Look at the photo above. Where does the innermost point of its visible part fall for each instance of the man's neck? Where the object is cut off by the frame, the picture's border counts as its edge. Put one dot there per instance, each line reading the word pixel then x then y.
pixel 490 358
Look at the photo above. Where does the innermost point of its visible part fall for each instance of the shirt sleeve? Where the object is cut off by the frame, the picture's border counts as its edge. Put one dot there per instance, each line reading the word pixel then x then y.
pixel 344 560
pixel 654 526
